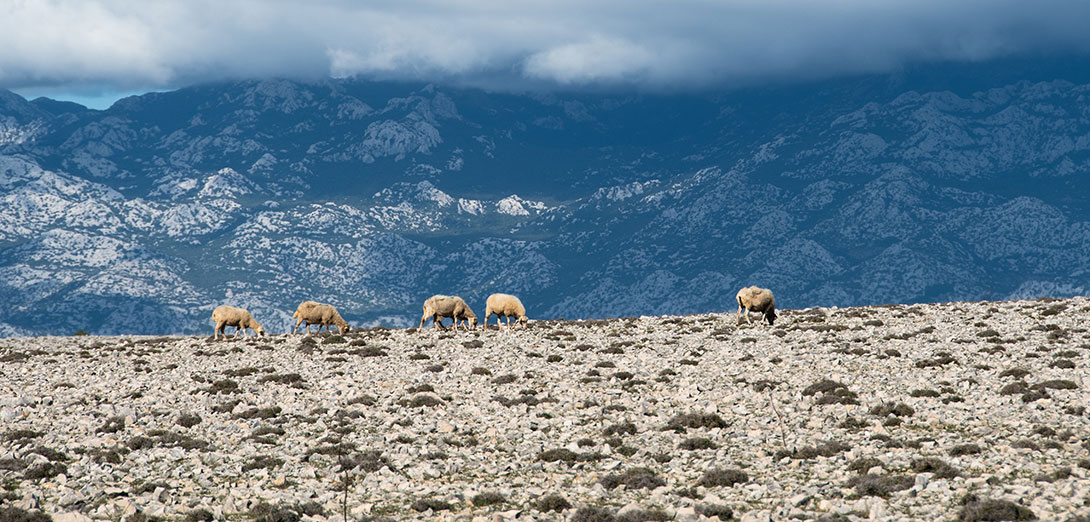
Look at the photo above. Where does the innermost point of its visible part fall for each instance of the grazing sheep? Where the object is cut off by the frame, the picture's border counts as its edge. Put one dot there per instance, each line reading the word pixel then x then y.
pixel 241 319
pixel 321 314
pixel 439 306
pixel 754 299
pixel 504 305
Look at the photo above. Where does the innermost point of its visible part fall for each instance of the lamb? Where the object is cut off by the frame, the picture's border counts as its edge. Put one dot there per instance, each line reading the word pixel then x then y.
pixel 439 306
pixel 321 314
pixel 754 299
pixel 241 319
pixel 504 305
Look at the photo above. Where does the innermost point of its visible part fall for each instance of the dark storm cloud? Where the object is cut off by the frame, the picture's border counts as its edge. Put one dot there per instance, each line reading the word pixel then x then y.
pixel 127 44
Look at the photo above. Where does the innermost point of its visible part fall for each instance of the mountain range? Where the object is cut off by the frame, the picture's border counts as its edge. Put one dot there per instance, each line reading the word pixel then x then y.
pixel 959 182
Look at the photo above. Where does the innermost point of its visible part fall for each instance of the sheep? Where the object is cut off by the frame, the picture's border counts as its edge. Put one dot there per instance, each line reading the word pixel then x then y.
pixel 241 319
pixel 322 314
pixel 439 306
pixel 754 299
pixel 505 305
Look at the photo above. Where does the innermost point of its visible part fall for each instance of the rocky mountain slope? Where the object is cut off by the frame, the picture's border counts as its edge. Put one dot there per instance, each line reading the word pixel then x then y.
pixel 954 411
pixel 140 218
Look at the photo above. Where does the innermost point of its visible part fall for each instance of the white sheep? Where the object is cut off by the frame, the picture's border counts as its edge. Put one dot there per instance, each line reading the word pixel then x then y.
pixel 322 314
pixel 504 305
pixel 754 299
pixel 241 319
pixel 439 306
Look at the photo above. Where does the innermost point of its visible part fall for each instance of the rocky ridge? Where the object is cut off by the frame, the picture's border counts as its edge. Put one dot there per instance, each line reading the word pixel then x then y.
pixel 375 196
pixel 943 411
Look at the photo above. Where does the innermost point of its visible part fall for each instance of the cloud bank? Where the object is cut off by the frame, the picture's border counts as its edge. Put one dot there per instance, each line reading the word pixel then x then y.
pixel 135 44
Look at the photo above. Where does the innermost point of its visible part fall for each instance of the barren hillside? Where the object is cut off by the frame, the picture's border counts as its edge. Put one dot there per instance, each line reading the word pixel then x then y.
pixel 926 412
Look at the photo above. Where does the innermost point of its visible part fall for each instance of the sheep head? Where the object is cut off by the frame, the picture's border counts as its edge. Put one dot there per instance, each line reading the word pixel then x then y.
pixel 770 317
pixel 258 329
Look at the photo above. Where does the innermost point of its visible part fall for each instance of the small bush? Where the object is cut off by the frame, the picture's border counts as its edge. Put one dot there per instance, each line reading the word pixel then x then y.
pixel 226 407
pixel 50 454
pixel 45 470
pixel 14 514
pixel 554 358
pixel 937 361
pixel 507 378
pixel 880 485
pixel 287 378
pixel 372 351
pixel 422 505
pixel 265 512
pixel 199 515
pixel 853 424
pixel 334 339
pixel 973 509
pixel 364 399
pixel 425 399
pixel 635 478
pixel 487 498
pixel 1017 373
pixel 262 462
pixel 832 393
pixel 552 503
pixel 722 511
pixel 188 420
pixel 561 454
pixel 722 477
pixel 1025 444
pixel 1034 395
pixel 823 386
pixel 679 423
pixel 624 428
pixel 864 464
pixel 592 514
pixel 1056 384
pixel 888 408
pixel 112 425
pixel 662 458
pixel 697 443
pixel 964 449
pixel 23 435
pixel 260 413
pixel 934 465
pixel 825 449
pixel 223 386
pixel 643 515
pixel 1014 388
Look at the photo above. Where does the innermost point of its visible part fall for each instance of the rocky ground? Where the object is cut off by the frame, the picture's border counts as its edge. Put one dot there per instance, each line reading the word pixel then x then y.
pixel 959 411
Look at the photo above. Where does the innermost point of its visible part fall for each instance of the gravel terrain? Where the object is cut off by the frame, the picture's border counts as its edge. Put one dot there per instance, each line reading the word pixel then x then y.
pixel 955 411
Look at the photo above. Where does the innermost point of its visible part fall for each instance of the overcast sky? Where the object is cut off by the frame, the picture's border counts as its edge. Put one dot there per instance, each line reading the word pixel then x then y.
pixel 100 49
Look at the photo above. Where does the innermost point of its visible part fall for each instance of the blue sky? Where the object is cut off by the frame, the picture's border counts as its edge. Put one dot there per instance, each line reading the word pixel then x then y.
pixel 99 50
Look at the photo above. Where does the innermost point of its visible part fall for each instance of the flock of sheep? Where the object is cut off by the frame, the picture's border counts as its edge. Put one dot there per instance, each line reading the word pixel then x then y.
pixel 439 307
